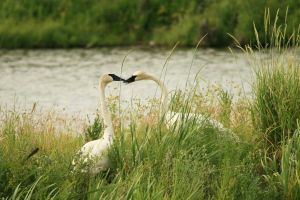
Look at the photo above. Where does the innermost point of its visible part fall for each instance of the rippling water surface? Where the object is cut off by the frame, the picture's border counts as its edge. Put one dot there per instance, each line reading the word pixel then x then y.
pixel 68 79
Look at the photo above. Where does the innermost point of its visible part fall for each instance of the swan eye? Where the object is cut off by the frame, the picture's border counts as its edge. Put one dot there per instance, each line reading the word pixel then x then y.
pixel 115 77
pixel 131 79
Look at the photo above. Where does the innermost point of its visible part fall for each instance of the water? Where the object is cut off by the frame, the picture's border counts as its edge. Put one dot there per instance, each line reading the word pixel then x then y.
pixel 67 80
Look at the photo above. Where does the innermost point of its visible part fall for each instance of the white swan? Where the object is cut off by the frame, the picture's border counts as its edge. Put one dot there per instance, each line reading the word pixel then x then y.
pixel 173 117
pixel 94 153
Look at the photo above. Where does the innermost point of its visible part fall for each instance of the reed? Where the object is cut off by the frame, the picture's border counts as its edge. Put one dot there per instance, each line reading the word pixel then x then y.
pixel 276 89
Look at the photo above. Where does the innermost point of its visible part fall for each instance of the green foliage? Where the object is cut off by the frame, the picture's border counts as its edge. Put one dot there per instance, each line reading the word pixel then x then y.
pixel 225 100
pixel 275 108
pixel 277 86
pixel 278 101
pixel 65 23
pixel 19 133
pixel 283 175
pixel 149 162
pixel 93 131
pixel 290 166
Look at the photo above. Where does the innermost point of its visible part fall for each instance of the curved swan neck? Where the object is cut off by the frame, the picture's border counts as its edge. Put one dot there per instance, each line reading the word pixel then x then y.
pixel 108 133
pixel 164 100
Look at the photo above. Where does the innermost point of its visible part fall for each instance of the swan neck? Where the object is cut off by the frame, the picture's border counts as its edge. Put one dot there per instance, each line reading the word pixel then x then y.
pixel 164 97
pixel 108 130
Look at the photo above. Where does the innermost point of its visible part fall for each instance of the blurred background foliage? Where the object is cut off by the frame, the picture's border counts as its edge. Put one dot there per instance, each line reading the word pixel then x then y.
pixel 95 23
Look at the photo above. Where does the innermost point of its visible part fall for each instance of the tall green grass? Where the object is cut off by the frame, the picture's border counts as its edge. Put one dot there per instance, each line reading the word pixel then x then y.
pixel 275 107
pixel 278 102
pixel 276 89
pixel 149 161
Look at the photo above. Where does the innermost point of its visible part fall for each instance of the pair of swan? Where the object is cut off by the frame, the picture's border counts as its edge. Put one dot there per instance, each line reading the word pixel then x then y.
pixel 95 152
pixel 170 117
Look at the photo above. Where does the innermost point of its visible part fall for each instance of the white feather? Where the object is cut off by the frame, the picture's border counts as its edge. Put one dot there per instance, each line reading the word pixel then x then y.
pixel 93 157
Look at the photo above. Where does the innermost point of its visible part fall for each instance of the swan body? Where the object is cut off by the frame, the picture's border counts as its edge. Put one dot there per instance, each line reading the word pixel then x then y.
pixel 172 118
pixel 94 153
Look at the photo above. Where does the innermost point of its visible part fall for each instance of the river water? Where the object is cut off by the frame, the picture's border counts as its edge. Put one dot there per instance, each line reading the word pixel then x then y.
pixel 67 80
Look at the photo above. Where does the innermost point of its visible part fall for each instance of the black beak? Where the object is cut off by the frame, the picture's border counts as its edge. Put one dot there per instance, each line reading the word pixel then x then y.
pixel 116 78
pixel 130 80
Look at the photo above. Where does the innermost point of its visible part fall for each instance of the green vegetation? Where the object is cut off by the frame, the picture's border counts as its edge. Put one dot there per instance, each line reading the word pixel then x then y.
pixel 187 161
pixel 149 161
pixel 277 113
pixel 65 23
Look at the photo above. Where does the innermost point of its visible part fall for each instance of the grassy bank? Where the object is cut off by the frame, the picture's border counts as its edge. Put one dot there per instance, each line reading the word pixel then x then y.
pixel 64 23
pixel 149 161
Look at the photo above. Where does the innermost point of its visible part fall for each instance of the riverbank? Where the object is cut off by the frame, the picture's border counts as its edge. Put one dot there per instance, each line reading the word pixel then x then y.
pixel 62 24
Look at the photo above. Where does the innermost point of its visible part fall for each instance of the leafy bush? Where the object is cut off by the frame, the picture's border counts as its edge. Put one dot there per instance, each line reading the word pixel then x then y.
pixel 94 131
pixel 36 24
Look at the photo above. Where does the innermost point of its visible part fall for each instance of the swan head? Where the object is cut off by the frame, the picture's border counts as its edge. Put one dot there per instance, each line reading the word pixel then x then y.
pixel 138 76
pixel 107 78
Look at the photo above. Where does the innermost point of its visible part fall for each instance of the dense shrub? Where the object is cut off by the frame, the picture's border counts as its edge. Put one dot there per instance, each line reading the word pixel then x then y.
pixel 30 24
